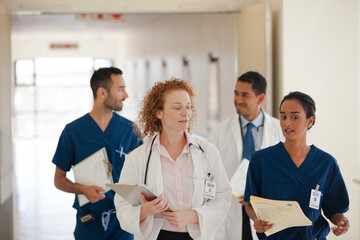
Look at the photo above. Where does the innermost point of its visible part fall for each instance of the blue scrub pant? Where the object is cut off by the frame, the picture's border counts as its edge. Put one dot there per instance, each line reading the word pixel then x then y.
pixel 95 229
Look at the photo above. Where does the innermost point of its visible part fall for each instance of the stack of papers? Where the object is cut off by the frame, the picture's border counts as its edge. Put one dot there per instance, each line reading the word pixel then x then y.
pixel 93 170
pixel 283 214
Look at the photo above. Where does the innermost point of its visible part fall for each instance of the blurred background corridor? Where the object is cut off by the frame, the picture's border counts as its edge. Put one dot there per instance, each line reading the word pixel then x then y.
pixel 49 51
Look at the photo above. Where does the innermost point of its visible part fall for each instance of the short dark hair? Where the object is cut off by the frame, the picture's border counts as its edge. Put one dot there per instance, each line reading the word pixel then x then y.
pixel 306 102
pixel 256 79
pixel 102 78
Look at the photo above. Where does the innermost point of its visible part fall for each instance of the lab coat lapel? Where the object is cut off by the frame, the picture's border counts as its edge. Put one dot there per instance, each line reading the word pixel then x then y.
pixel 268 133
pixel 235 129
pixel 155 180
pixel 198 176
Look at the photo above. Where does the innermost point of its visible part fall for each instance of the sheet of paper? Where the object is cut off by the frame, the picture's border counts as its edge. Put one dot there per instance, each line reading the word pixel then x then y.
pixel 238 180
pixel 283 214
pixel 93 170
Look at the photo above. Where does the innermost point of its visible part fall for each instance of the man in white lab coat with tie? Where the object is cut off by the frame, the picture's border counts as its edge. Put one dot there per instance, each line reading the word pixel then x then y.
pixel 236 144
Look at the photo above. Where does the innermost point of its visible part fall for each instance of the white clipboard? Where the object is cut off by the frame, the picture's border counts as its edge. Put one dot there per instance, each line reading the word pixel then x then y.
pixel 131 193
pixel 93 170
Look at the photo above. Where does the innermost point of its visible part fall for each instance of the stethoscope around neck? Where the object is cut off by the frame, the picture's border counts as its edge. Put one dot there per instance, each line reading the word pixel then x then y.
pixel 210 175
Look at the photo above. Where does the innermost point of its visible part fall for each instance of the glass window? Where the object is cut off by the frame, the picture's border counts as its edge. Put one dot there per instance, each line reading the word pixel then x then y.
pixel 25 72
pixel 102 62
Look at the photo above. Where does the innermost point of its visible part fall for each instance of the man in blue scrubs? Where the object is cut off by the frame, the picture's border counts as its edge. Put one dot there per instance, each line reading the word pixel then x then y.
pixel 102 127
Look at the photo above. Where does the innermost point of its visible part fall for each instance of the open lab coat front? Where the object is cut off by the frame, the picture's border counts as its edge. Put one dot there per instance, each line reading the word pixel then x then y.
pixel 211 213
pixel 226 136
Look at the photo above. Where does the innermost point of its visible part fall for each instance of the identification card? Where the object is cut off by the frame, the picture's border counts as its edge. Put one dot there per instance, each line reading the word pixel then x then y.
pixel 315 199
pixel 210 190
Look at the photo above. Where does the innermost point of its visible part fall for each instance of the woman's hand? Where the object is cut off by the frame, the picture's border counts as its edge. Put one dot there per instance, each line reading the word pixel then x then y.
pixel 181 218
pixel 341 227
pixel 262 226
pixel 155 206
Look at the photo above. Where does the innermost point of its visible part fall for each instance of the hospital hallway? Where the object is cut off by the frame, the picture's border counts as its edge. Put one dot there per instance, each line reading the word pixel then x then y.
pixel 50 49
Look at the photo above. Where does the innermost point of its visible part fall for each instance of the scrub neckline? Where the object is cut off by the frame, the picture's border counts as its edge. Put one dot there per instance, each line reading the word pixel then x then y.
pixel 306 160
pixel 98 127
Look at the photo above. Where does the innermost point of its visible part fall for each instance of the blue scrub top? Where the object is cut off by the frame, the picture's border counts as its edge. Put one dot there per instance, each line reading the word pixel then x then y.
pixel 272 174
pixel 83 137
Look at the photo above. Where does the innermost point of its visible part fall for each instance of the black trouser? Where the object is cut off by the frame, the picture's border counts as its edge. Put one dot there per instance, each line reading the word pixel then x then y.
pixel 167 235
pixel 246 229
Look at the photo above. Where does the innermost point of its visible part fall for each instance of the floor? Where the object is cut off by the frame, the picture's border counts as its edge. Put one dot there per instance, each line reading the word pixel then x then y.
pixel 41 211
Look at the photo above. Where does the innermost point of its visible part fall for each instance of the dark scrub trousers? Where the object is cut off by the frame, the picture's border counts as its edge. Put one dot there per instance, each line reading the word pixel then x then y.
pixel 246 229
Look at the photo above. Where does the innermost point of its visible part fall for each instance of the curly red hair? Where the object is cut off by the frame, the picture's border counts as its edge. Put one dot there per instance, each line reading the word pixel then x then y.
pixel 154 101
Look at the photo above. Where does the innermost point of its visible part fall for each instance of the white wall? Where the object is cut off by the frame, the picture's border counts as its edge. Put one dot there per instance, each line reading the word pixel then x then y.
pixel 38 45
pixel 6 157
pixel 255 46
pixel 166 36
pixel 320 56
pixel 194 35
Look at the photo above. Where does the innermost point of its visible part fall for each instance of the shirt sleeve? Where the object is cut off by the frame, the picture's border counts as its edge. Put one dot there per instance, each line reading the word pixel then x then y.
pixel 64 156
pixel 335 199
pixel 253 180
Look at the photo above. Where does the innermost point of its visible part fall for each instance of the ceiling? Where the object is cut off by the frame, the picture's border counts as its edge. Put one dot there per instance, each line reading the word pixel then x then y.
pixel 32 16
pixel 65 23
pixel 123 6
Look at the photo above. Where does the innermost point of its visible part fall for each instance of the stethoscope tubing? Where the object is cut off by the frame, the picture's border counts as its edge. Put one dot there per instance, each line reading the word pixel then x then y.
pixel 150 152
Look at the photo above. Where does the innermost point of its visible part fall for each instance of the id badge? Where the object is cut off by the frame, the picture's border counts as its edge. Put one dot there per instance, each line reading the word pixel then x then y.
pixel 210 189
pixel 315 198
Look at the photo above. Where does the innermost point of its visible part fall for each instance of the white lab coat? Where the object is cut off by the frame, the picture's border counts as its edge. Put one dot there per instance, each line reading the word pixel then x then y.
pixel 227 137
pixel 211 213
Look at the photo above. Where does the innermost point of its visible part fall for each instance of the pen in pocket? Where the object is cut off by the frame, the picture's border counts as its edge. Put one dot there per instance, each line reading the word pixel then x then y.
pixel 120 150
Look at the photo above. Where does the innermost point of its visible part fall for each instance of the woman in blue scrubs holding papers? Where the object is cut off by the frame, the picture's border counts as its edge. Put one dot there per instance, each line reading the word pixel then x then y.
pixel 295 171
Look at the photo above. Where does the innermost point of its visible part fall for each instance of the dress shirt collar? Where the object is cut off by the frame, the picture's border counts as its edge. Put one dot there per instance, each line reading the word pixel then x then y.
pixel 258 121
pixel 189 140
